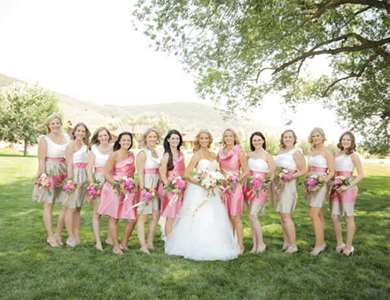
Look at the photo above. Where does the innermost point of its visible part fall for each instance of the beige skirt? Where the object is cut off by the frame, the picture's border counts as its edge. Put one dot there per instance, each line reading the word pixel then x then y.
pixel 150 182
pixel 342 208
pixel 76 198
pixel 287 198
pixel 56 171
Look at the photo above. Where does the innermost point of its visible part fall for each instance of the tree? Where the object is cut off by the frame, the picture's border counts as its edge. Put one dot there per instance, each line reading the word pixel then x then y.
pixel 24 110
pixel 240 50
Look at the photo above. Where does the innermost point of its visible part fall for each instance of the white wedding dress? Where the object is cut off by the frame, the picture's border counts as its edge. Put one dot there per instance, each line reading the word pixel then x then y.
pixel 205 233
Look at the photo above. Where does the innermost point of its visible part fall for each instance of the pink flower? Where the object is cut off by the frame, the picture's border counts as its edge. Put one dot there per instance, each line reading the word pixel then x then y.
pixel 311 182
pixel 256 183
pixel 180 183
pixel 234 178
pixel 147 196
pixel 128 184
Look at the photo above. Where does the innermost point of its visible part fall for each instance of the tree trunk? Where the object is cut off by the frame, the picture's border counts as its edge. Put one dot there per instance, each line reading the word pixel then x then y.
pixel 25 147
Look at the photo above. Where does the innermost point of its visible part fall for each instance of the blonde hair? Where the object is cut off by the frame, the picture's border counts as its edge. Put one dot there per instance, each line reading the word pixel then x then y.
pixel 197 144
pixel 52 117
pixel 236 139
pixel 318 130
pixel 145 135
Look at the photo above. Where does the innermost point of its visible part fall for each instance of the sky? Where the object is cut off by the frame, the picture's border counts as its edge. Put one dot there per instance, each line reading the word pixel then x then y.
pixel 88 49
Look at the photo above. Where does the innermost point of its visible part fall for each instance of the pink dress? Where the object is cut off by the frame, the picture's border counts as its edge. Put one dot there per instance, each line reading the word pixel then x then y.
pixel 170 209
pixel 230 163
pixel 258 168
pixel 119 206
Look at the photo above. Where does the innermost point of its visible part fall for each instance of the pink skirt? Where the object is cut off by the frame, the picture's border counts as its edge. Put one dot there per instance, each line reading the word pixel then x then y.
pixel 234 200
pixel 117 206
pixel 170 207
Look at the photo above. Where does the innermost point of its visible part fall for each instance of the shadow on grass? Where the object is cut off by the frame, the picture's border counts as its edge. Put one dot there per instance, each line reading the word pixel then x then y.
pixel 33 270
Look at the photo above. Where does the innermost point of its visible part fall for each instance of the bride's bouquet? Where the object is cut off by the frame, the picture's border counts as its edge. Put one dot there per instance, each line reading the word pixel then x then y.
pixel 212 181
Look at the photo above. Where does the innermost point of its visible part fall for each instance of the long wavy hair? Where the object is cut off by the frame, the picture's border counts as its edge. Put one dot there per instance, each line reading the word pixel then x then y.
pixel 117 146
pixel 197 144
pixel 351 149
pixel 87 132
pixel 167 146
pixel 257 133
pixel 95 136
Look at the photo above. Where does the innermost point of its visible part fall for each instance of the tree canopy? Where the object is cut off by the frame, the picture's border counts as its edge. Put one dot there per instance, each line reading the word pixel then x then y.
pixel 23 112
pixel 240 50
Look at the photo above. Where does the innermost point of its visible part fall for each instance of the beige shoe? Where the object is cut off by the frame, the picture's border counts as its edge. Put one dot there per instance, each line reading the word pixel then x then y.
pixel 340 248
pixel 349 252
pixel 292 249
pixel 317 250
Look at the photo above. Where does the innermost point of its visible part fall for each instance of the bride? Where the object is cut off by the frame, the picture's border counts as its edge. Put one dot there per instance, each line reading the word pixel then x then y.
pixel 203 230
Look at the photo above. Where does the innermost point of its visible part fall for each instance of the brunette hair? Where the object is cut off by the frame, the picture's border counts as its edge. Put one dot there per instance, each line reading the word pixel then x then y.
pixel 87 132
pixel 257 133
pixel 167 146
pixel 117 146
pixel 95 140
pixel 351 149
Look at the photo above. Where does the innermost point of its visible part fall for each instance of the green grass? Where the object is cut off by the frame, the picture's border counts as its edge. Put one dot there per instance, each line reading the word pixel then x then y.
pixel 29 269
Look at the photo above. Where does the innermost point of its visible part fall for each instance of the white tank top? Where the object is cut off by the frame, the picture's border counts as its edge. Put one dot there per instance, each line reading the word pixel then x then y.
pixel 318 160
pixel 151 162
pixel 100 158
pixel 81 156
pixel 258 165
pixel 56 150
pixel 286 160
pixel 344 163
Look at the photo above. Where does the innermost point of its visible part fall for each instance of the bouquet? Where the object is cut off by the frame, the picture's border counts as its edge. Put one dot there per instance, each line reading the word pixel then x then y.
pixel 44 182
pixel 212 181
pixel 69 186
pixel 339 181
pixel 147 196
pixel 285 175
pixel 231 180
pixel 94 190
pixel 313 182
pixel 176 185
pixel 123 185
pixel 258 184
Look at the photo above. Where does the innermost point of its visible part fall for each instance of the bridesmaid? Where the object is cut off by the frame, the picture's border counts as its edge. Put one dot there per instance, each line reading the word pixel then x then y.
pixel 121 163
pixel 172 165
pixel 285 194
pixel 76 155
pixel 231 161
pixel 343 198
pixel 148 163
pixel 260 163
pixel 321 162
pixel 98 156
pixel 51 164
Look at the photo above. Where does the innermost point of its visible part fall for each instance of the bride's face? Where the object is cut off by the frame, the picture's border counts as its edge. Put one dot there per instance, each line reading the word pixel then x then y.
pixel 204 140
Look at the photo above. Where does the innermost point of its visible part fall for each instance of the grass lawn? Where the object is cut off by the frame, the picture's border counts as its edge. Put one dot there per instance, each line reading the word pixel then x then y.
pixel 29 269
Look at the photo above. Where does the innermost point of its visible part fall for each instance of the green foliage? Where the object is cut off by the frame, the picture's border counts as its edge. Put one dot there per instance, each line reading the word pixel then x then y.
pixel 241 50
pixel 23 111
pixel 29 269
